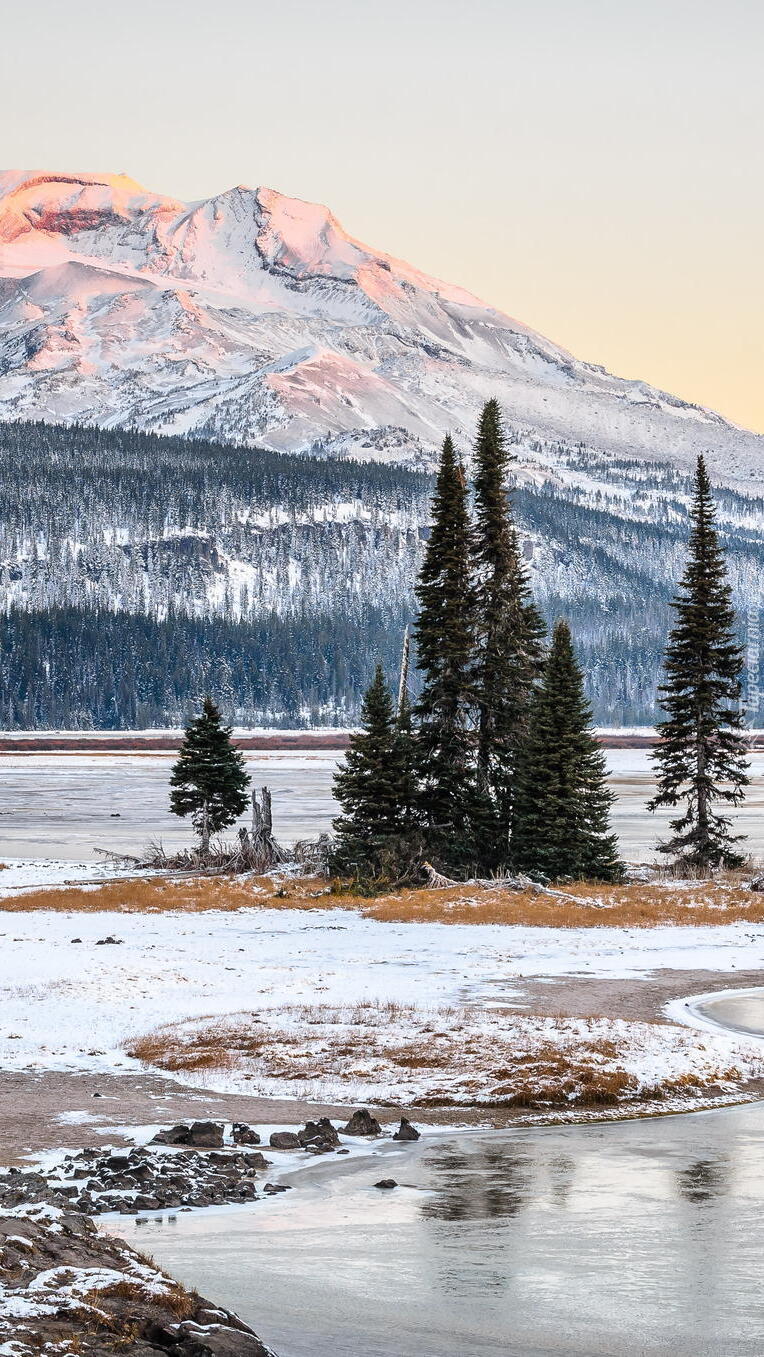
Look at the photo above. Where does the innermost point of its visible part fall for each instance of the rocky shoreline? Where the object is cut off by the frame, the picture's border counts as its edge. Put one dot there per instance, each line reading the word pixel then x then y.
pixel 65 1288
pixel 69 1290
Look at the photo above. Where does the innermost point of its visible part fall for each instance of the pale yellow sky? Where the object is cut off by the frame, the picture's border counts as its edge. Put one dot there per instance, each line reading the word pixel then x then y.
pixel 593 167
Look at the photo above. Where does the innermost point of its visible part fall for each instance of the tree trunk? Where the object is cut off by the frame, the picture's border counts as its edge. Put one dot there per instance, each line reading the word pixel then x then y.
pixel 403 681
pixel 267 814
pixel 265 850
pixel 702 807
pixel 205 843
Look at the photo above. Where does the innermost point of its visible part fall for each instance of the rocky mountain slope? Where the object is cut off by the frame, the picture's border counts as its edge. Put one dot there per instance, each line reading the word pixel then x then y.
pixel 255 318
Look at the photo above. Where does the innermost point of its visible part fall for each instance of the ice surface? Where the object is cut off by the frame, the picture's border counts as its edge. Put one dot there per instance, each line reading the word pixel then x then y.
pixel 63 806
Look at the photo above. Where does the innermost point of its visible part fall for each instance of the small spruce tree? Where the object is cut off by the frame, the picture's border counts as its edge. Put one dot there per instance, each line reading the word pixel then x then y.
pixel 509 637
pixel 561 824
pixel 374 790
pixel 444 633
pixel 209 781
pixel 701 756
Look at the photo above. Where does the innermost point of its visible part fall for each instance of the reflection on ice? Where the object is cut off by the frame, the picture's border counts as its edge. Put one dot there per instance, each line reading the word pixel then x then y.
pixel 641 1237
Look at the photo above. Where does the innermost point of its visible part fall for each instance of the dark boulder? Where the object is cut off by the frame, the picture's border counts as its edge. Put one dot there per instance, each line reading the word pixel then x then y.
pixel 406 1131
pixel 244 1135
pixel 386 1183
pixel 206 1134
pixel 362 1123
pixel 318 1133
pixel 174 1135
pixel 285 1140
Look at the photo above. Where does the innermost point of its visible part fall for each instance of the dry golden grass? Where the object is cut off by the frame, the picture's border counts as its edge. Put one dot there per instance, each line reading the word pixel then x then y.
pixel 633 906
pixel 157 1048
pixel 143 894
pixel 432 1058
pixel 175 1298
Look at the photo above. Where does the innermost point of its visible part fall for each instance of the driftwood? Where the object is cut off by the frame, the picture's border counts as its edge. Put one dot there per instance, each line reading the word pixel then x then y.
pixel 313 855
pixel 124 859
pixel 263 846
pixel 437 881
pixel 255 850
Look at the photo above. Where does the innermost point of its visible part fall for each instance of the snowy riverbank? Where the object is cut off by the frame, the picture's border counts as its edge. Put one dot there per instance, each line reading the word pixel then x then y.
pixel 78 988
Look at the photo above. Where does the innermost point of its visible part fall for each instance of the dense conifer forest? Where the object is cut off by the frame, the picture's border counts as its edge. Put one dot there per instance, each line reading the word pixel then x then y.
pixel 138 571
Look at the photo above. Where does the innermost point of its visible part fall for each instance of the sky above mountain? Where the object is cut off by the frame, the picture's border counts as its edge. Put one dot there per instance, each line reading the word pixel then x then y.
pixel 586 166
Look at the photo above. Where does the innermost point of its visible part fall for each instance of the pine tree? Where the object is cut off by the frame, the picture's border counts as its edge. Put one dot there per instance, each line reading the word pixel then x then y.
pixel 444 633
pixel 510 631
pixel 701 756
pixel 209 781
pixel 561 818
pixel 373 788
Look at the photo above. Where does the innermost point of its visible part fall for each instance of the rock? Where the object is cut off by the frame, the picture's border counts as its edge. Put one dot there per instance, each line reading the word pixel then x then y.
pixel 284 1140
pixel 118 1162
pixel 320 1131
pixel 362 1123
pixel 175 1135
pixel 207 1134
pixel 220 1342
pixel 76 939
pixel 244 1135
pixel 211 1317
pixel 406 1131
pixel 257 1161
pixel 110 941
pixel 386 1183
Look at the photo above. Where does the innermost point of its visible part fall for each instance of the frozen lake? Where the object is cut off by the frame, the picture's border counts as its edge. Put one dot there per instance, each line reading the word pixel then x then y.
pixel 67 805
pixel 639 1239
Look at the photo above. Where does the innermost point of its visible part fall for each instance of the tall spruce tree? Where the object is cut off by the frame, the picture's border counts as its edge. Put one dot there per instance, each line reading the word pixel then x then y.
pixel 509 636
pixel 444 632
pixel 701 756
pixel 561 825
pixel 374 789
pixel 209 781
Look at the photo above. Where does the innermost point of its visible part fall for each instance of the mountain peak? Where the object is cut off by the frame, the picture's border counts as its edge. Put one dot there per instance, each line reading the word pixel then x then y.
pixel 255 317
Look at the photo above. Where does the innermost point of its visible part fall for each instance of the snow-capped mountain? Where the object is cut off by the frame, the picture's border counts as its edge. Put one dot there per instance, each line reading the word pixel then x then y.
pixel 254 318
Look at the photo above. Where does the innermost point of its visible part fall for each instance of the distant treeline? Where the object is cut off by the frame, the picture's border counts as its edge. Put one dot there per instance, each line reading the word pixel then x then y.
pixel 72 668
pixel 138 570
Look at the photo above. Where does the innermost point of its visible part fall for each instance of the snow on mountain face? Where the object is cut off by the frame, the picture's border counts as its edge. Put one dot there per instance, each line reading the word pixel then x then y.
pixel 255 318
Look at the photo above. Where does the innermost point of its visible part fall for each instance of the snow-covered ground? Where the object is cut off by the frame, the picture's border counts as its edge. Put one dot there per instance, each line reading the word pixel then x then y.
pixel 18 875
pixel 71 1000
pixel 407 1054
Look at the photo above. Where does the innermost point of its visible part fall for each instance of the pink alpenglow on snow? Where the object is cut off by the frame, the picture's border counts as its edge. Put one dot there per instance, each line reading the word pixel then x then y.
pixel 255 318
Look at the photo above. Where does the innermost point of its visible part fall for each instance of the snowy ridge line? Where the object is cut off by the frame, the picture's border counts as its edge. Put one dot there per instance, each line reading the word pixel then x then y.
pixel 252 315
